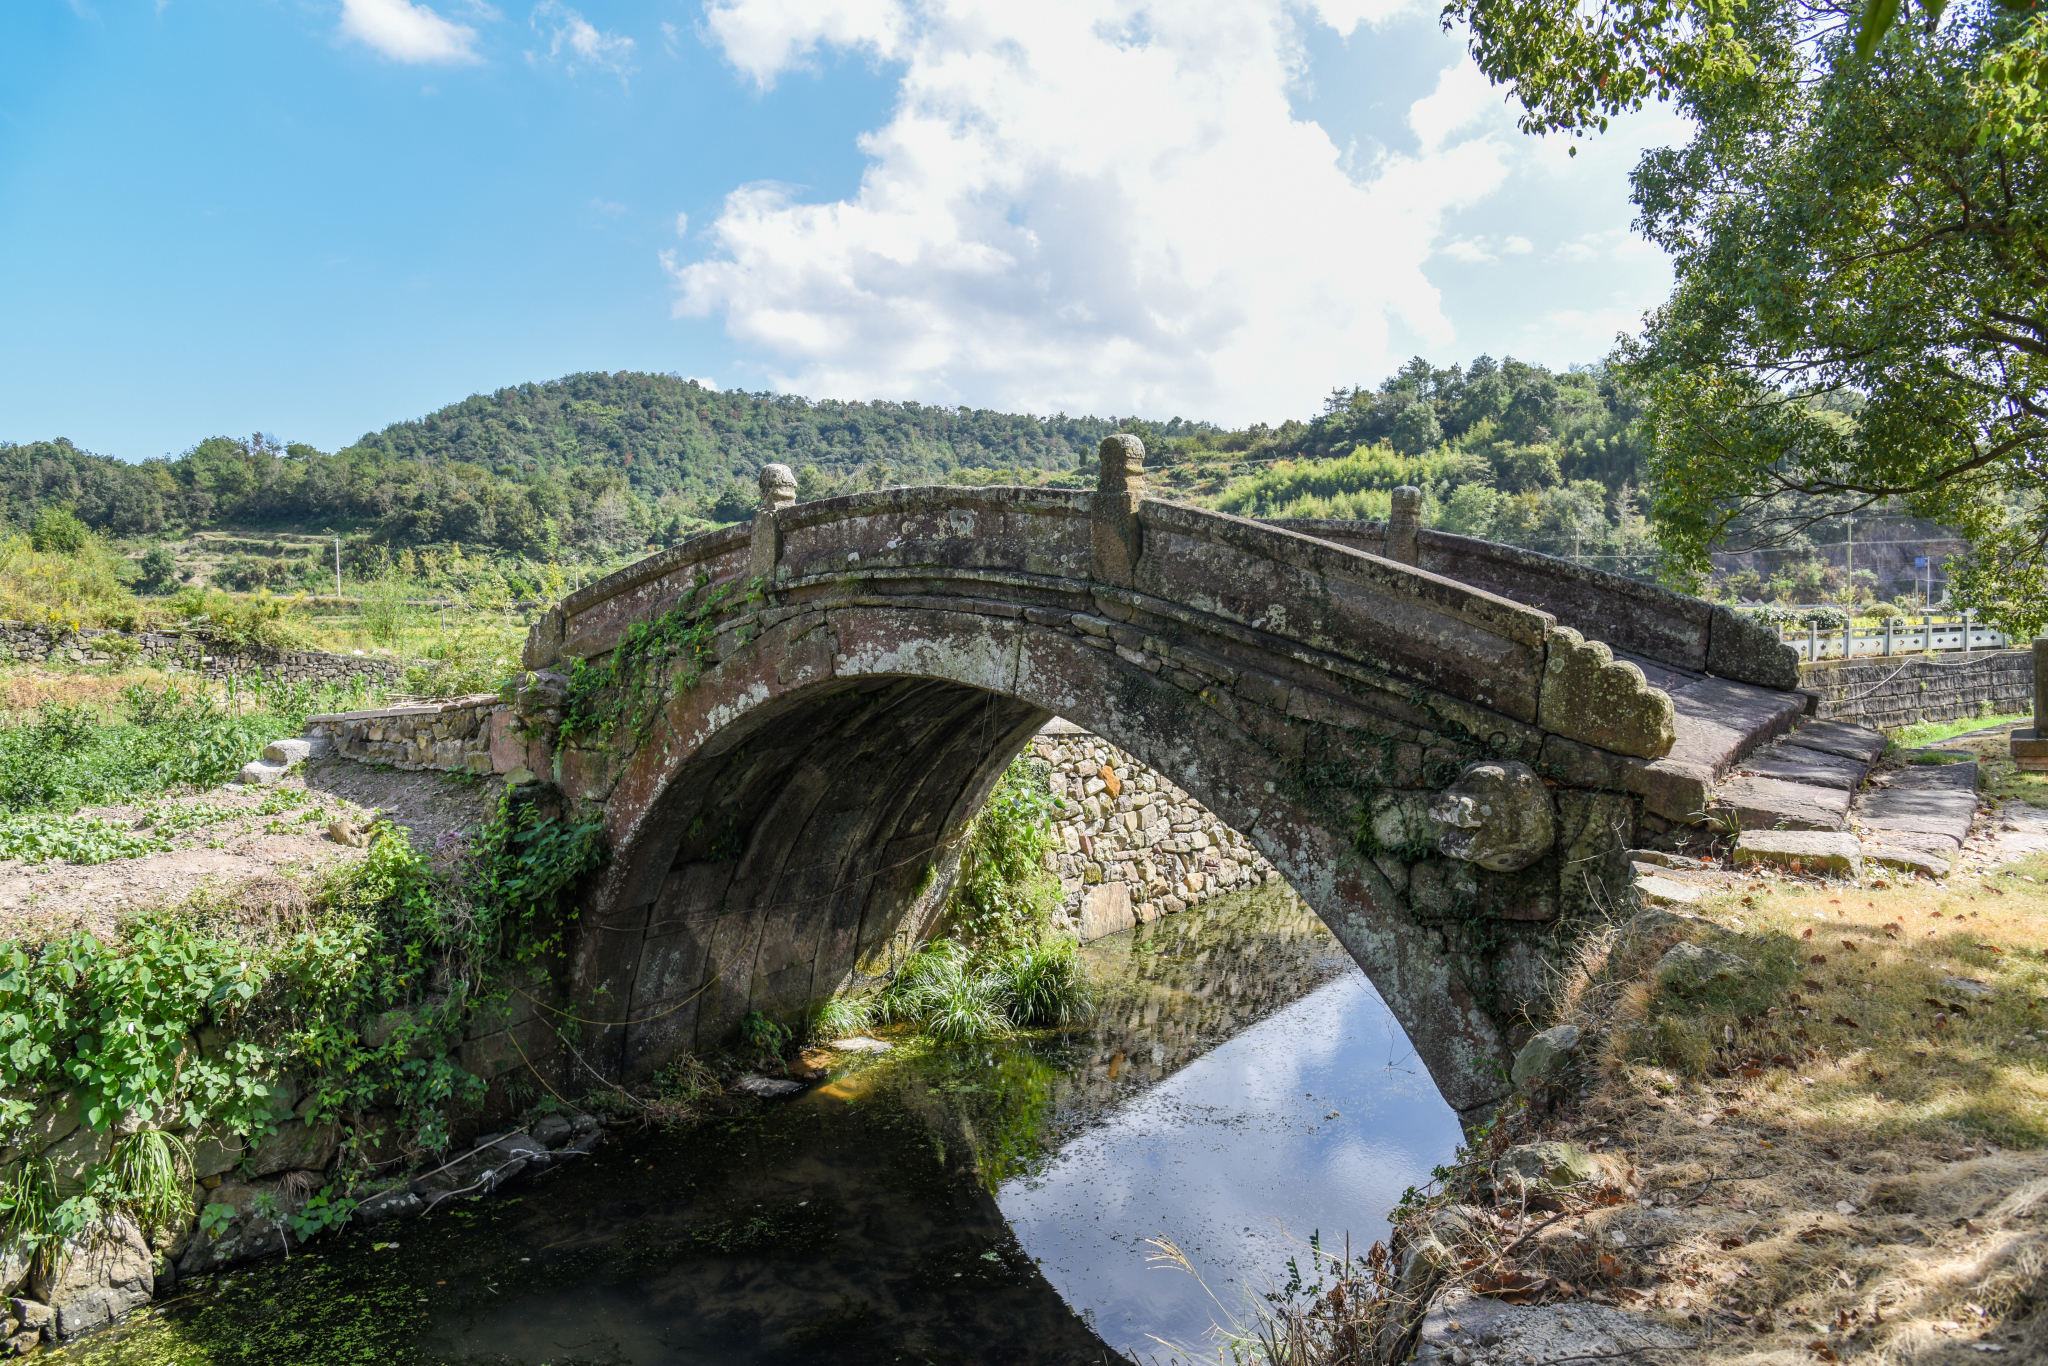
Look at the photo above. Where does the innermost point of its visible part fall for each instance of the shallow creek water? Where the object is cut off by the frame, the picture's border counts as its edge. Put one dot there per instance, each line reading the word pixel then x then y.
pixel 923 1205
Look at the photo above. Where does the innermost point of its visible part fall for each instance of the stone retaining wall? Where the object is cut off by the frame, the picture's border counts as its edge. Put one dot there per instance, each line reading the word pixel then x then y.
pixel 1905 690
pixel 1129 845
pixel 29 643
pixel 473 734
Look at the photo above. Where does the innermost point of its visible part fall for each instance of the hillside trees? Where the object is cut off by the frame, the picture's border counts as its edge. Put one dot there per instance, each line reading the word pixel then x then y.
pixel 1839 227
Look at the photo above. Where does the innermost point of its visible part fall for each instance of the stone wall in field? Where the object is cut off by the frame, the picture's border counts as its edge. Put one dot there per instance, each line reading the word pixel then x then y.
pixel 31 643
pixel 474 734
pixel 1904 690
pixel 1129 846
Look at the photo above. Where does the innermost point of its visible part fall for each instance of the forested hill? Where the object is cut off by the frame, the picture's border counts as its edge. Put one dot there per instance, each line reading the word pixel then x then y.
pixel 606 463
pixel 591 460
pixel 673 436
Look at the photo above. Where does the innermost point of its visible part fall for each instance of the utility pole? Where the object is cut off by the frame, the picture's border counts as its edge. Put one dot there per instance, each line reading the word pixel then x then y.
pixel 337 566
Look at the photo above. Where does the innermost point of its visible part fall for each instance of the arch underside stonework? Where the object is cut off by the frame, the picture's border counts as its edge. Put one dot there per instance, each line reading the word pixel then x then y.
pixel 790 819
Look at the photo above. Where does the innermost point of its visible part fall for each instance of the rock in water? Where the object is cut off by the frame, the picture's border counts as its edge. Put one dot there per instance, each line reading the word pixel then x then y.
pixel 861 1044
pixel 97 1277
pixel 1543 1055
pixel 768 1088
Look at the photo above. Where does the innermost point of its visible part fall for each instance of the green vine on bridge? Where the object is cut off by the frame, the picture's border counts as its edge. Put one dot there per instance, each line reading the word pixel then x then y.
pixel 626 690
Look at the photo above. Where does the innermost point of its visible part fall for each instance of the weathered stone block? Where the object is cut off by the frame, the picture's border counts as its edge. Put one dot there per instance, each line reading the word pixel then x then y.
pixel 1813 851
pixel 1106 909
pixel 1749 652
pixel 97 1277
pixel 1690 966
pixel 1590 696
pixel 296 1146
pixel 1545 1055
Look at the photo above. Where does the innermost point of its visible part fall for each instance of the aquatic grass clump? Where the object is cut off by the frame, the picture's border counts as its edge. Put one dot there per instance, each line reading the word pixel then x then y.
pixel 841 1017
pixel 939 989
pixel 958 997
pixel 1045 983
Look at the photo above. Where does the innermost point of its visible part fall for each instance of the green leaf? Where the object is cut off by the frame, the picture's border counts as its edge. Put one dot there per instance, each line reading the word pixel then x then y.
pixel 1878 18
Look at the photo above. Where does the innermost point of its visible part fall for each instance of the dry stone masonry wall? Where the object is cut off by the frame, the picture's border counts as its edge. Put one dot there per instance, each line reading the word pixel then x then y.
pixel 1905 690
pixel 28 643
pixel 473 734
pixel 1130 846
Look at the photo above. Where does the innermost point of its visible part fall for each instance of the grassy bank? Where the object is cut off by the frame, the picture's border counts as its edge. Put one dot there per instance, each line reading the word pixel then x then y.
pixel 1831 1145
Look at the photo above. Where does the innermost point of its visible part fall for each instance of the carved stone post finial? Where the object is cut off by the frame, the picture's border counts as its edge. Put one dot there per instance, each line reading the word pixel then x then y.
pixel 1401 527
pixel 778 491
pixel 778 486
pixel 1119 488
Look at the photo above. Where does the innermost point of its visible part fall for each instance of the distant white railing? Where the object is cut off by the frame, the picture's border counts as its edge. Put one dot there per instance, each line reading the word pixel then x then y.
pixel 1921 637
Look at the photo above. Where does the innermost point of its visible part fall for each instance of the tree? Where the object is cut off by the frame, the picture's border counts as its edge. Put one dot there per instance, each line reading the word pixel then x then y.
pixel 57 531
pixel 159 569
pixel 1839 229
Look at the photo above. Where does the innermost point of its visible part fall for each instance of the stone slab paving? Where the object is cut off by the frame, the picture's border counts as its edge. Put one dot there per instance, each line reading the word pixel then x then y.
pixel 1774 804
pixel 1834 852
pixel 1916 805
pixel 1794 764
pixel 2022 830
pixel 1845 739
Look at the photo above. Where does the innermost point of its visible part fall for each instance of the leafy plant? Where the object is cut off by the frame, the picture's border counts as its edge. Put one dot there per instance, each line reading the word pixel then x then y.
pixel 764 1037
pixel 842 1016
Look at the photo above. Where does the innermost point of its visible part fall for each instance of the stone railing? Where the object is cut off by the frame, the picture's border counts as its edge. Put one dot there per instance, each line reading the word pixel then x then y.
pixel 1130 846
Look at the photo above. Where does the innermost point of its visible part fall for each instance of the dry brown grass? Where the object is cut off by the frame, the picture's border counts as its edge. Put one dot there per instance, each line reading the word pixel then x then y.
pixel 25 689
pixel 1844 1157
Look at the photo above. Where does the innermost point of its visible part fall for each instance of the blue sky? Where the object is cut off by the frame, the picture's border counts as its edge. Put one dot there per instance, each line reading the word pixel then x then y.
pixel 314 217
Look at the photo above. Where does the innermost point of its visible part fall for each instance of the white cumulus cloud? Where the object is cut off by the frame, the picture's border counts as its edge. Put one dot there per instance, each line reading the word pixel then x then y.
pixel 406 32
pixel 1104 206
pixel 576 42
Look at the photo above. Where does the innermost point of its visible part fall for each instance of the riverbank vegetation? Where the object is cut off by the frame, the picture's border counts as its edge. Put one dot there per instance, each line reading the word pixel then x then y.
pixel 185 1026
pixel 997 962
pixel 1826 1137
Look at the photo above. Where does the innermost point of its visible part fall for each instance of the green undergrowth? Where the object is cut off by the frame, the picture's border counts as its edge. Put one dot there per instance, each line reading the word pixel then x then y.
pixel 998 964
pixel 191 1021
pixel 163 739
pixel 1934 732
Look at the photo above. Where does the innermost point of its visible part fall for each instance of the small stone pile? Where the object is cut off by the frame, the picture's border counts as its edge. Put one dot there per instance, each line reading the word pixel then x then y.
pixel 1129 845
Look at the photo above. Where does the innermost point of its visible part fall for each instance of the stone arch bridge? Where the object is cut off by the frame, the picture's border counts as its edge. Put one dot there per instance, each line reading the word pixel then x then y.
pixel 1414 728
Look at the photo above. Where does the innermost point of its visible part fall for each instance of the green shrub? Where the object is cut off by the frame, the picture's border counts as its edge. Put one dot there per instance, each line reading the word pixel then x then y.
pixel 1003 896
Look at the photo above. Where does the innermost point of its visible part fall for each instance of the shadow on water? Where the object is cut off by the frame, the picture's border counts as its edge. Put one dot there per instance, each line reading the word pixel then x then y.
pixel 856 1223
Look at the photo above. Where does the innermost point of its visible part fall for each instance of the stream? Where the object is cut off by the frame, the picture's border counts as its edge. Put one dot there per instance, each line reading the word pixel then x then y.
pixel 1240 1089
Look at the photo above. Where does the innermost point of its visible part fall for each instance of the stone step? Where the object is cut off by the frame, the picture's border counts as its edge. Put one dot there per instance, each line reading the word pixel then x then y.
pixel 1929 807
pixel 1844 739
pixel 1773 804
pixel 1719 723
pixel 1795 764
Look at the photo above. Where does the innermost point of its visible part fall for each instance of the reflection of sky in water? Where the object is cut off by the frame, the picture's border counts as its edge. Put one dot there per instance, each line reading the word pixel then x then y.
pixel 1212 1156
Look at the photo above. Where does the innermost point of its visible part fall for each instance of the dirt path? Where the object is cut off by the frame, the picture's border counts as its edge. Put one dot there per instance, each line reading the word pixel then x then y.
pixel 230 837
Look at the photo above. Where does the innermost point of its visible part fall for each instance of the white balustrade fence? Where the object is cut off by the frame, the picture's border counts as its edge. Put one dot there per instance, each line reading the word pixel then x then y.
pixel 1922 637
